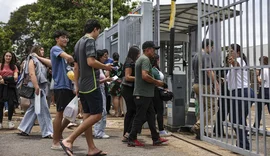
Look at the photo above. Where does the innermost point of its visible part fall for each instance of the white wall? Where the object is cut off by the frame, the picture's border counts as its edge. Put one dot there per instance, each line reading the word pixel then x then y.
pixel 256 54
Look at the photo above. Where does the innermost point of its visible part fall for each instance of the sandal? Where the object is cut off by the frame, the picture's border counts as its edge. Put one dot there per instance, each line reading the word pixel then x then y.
pixel 48 137
pixel 23 134
pixel 100 153
pixel 67 150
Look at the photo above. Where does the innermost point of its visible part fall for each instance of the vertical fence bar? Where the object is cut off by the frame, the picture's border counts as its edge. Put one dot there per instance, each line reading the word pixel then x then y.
pixel 206 104
pixel 262 78
pixel 268 37
pixel 254 75
pixel 248 56
pixel 229 43
pixel 213 100
pixel 200 57
pixel 235 72
pixel 220 90
pixel 224 72
pixel 242 76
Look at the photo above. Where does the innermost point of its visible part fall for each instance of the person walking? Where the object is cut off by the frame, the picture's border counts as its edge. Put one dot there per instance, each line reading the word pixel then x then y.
pixel 99 127
pixel 157 101
pixel 38 76
pixel 208 77
pixel 8 78
pixel 238 82
pixel 143 95
pixel 128 88
pixel 62 85
pixel 262 80
pixel 86 70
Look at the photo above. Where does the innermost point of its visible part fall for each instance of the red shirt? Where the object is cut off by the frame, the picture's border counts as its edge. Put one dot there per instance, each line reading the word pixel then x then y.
pixel 7 71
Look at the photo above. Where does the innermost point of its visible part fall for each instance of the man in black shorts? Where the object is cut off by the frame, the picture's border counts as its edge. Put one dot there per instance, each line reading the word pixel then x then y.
pixel 86 70
pixel 63 89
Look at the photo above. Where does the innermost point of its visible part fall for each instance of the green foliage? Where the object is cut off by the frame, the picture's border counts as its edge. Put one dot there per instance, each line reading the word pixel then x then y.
pixel 35 23
pixel 5 41
pixel 71 16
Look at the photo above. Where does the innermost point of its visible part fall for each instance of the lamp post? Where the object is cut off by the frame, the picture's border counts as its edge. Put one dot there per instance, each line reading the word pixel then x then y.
pixel 111 12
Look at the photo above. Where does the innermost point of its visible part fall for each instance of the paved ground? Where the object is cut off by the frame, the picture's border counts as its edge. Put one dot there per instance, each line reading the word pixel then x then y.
pixel 13 145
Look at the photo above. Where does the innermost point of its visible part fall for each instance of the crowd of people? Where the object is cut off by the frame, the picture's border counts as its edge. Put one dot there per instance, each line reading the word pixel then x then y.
pixel 234 82
pixel 96 78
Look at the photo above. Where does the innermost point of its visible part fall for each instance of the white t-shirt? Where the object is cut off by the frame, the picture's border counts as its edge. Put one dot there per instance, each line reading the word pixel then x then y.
pixel 101 76
pixel 265 77
pixel 161 75
pixel 235 79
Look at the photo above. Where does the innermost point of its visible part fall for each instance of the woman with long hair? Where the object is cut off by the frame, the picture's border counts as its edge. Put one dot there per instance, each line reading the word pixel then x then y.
pixel 158 103
pixel 127 89
pixel 37 73
pixel 238 82
pixel 99 127
pixel 8 78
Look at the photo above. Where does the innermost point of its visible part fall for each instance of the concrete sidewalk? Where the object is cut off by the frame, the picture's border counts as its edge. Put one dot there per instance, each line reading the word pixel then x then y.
pixel 13 145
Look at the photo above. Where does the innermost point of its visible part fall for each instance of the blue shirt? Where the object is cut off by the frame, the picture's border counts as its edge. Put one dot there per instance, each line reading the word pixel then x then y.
pixel 59 69
pixel 108 61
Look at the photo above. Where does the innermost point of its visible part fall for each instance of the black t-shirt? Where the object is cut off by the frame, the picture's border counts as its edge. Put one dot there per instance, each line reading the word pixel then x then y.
pixel 129 64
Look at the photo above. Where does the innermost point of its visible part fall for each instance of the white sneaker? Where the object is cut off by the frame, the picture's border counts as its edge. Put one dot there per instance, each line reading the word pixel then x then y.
pixel 105 136
pixel 11 125
pixel 6 112
pixel 0 126
pixel 164 133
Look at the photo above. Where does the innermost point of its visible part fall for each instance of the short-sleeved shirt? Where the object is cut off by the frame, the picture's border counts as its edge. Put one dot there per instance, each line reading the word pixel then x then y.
pixel 265 73
pixel 59 69
pixel 89 77
pixel 155 73
pixel 141 87
pixel 110 60
pixel 6 71
pixel 206 63
pixel 237 78
pixel 129 63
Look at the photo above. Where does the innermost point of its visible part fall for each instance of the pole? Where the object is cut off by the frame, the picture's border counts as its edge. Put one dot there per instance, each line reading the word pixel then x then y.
pixel 111 12
pixel 172 32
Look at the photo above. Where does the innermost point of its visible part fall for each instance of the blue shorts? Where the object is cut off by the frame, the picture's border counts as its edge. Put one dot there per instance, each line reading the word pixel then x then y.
pixel 92 103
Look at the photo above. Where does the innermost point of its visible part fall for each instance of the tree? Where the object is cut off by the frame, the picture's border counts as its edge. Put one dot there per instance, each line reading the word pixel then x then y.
pixel 21 26
pixel 5 41
pixel 71 16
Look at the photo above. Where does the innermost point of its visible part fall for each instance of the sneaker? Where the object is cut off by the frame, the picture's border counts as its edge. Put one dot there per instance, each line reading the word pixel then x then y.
pixel 0 126
pixel 252 133
pixel 105 136
pixel 134 143
pixel 159 141
pixel 197 132
pixel 164 133
pixel 11 125
pixel 6 112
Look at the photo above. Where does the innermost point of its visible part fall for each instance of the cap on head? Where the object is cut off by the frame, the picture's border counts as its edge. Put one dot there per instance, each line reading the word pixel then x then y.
pixel 149 44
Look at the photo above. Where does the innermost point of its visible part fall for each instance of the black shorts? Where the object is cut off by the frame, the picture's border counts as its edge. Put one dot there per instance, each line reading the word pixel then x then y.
pixel 92 103
pixel 62 98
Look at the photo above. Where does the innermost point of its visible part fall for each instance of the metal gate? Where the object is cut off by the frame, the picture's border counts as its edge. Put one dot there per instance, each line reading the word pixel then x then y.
pixel 121 36
pixel 234 88
pixel 133 29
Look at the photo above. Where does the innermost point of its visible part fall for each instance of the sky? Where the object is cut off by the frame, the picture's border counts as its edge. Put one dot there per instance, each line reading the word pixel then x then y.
pixel 8 6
